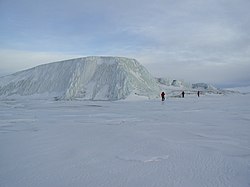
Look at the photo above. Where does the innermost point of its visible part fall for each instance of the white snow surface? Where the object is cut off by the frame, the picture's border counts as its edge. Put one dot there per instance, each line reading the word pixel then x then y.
pixel 89 78
pixel 187 141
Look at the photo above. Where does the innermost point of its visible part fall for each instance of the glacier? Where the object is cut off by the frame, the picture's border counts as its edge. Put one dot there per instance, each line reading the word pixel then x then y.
pixel 88 78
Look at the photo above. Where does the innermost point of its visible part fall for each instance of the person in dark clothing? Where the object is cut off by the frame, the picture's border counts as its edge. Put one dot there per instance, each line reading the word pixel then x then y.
pixel 183 93
pixel 162 96
pixel 198 93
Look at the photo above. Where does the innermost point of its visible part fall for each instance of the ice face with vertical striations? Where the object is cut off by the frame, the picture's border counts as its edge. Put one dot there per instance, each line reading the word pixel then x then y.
pixel 90 78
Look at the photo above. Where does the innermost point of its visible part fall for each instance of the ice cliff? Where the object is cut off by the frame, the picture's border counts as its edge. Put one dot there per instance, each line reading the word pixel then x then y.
pixel 90 78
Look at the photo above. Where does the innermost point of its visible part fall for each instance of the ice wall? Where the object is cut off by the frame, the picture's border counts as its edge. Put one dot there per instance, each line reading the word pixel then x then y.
pixel 91 78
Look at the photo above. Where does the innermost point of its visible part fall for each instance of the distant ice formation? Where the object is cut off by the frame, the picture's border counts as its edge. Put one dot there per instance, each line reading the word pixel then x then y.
pixel 90 78
pixel 96 78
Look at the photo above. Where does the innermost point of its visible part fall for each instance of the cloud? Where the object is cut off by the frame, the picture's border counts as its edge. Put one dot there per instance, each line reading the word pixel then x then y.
pixel 176 38
pixel 16 60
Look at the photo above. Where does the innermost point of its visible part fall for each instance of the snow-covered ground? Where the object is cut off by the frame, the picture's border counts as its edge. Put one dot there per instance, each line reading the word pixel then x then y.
pixel 180 142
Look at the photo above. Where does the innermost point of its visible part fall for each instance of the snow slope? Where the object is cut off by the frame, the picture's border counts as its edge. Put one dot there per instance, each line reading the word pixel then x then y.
pixel 192 141
pixel 91 78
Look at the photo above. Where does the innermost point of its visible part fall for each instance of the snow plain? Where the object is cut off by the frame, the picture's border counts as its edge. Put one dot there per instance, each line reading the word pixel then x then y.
pixel 180 142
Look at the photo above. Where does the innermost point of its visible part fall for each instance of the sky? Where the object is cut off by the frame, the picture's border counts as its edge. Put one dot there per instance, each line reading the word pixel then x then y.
pixel 192 40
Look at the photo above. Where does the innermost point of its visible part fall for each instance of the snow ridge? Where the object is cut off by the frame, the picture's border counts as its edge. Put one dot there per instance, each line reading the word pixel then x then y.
pixel 90 78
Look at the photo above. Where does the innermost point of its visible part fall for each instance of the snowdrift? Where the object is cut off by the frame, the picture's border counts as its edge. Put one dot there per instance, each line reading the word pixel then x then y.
pixel 90 78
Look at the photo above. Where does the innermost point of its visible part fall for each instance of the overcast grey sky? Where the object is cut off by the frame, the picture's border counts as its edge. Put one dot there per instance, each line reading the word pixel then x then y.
pixel 195 40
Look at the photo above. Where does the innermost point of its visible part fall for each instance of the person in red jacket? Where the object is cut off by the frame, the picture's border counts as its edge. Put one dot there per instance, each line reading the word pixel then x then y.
pixel 162 96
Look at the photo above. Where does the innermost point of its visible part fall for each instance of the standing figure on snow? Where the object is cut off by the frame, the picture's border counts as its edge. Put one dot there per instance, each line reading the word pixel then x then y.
pixel 198 93
pixel 183 93
pixel 162 96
